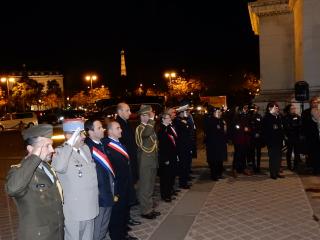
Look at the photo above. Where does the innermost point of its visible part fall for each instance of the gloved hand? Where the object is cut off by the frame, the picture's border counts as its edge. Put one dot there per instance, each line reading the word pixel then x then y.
pixel 75 136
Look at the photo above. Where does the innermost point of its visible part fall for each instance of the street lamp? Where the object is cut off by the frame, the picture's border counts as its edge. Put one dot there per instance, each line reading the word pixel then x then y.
pixel 7 80
pixel 170 76
pixel 91 78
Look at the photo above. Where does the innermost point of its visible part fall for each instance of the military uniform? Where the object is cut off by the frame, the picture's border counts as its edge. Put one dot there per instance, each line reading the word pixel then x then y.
pixel 146 140
pixel 37 194
pixel 78 176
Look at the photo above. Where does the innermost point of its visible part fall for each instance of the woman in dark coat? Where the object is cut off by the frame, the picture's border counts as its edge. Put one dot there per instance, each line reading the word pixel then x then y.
pixel 273 136
pixel 167 157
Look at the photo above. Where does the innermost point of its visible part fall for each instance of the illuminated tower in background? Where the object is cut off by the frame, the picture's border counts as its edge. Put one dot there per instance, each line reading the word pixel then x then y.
pixel 123 65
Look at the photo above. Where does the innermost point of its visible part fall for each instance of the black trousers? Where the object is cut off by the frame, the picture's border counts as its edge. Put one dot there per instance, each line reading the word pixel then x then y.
pixel 185 159
pixel 275 155
pixel 292 147
pixel 166 181
pixel 118 221
pixel 215 158
pixel 255 155
pixel 240 157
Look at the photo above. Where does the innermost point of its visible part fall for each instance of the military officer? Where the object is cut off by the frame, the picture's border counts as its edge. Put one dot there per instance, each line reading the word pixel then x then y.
pixel 36 189
pixel 77 173
pixel 147 143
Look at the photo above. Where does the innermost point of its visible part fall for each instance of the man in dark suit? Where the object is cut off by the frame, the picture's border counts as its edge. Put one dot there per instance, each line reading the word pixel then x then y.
pixel 128 140
pixel 105 175
pixel 36 189
pixel 120 160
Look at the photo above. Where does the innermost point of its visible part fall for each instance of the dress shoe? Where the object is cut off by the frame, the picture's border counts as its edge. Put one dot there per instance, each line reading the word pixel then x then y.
pixel 174 194
pixel 280 176
pixel 149 215
pixel 128 237
pixel 273 177
pixel 156 213
pixel 185 187
pixel 177 191
pixel 129 229
pixel 133 222
pixel 167 199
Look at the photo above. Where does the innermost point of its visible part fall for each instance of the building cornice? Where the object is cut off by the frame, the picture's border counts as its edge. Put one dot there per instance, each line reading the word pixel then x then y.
pixel 268 8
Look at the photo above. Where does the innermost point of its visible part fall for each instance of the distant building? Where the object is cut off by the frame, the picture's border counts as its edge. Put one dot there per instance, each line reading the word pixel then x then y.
pixel 40 76
pixel 289 46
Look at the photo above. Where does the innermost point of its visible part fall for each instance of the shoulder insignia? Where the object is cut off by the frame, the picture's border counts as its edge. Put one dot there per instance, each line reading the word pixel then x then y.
pixel 15 165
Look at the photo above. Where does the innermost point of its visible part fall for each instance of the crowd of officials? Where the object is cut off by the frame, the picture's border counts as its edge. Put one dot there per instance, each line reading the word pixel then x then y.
pixel 96 176
pixel 249 131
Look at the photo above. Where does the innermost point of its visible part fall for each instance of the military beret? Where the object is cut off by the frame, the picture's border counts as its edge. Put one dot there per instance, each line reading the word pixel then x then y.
pixel 144 109
pixel 72 124
pixel 41 130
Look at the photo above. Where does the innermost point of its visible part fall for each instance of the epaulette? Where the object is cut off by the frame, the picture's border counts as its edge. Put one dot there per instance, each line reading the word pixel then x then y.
pixel 15 165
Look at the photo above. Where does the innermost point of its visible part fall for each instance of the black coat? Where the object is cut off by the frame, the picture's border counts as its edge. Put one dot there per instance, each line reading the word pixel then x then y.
pixel 273 130
pixel 167 146
pixel 128 140
pixel 123 177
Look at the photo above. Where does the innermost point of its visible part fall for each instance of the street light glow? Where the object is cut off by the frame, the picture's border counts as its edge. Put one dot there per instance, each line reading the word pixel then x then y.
pixel 91 78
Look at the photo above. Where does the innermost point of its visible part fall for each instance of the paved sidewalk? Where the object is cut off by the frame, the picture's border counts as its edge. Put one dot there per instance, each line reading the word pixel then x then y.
pixel 256 207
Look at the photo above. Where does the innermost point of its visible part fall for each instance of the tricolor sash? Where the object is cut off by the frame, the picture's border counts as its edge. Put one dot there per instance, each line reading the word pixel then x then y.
pixel 172 139
pixel 103 159
pixel 119 149
pixel 174 131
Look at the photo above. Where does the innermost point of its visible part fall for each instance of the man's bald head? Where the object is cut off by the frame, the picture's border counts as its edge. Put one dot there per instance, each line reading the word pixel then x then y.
pixel 123 110
pixel 114 130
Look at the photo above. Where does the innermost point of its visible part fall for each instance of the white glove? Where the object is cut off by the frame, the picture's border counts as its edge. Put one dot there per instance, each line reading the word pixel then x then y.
pixel 74 138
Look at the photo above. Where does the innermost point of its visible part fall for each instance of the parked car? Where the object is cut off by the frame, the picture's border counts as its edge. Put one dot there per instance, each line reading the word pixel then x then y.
pixel 18 120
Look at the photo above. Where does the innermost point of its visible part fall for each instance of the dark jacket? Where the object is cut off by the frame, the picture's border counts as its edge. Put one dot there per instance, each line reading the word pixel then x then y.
pixel 273 130
pixel 240 129
pixel 38 200
pixel 167 146
pixel 121 164
pixel 128 140
pixel 106 183
pixel 292 127
pixel 184 132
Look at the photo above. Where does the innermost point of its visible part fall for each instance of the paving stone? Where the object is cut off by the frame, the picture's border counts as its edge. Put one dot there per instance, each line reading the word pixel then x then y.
pixel 257 208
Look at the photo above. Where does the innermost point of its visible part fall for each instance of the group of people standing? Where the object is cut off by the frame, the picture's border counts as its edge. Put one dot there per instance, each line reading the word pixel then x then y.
pixel 249 132
pixel 96 177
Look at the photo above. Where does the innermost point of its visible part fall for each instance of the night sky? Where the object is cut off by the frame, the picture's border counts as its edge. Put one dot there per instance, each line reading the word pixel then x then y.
pixel 214 44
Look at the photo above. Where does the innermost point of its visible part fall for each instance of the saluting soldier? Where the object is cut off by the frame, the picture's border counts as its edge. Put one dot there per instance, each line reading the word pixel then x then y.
pixel 77 172
pixel 184 145
pixel 147 143
pixel 36 189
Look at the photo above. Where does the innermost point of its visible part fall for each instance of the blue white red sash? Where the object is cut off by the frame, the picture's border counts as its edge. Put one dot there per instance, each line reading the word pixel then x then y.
pixel 119 149
pixel 174 131
pixel 172 139
pixel 103 159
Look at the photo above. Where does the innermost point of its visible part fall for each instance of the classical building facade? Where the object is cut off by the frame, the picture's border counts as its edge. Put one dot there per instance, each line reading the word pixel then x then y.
pixel 40 76
pixel 289 37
